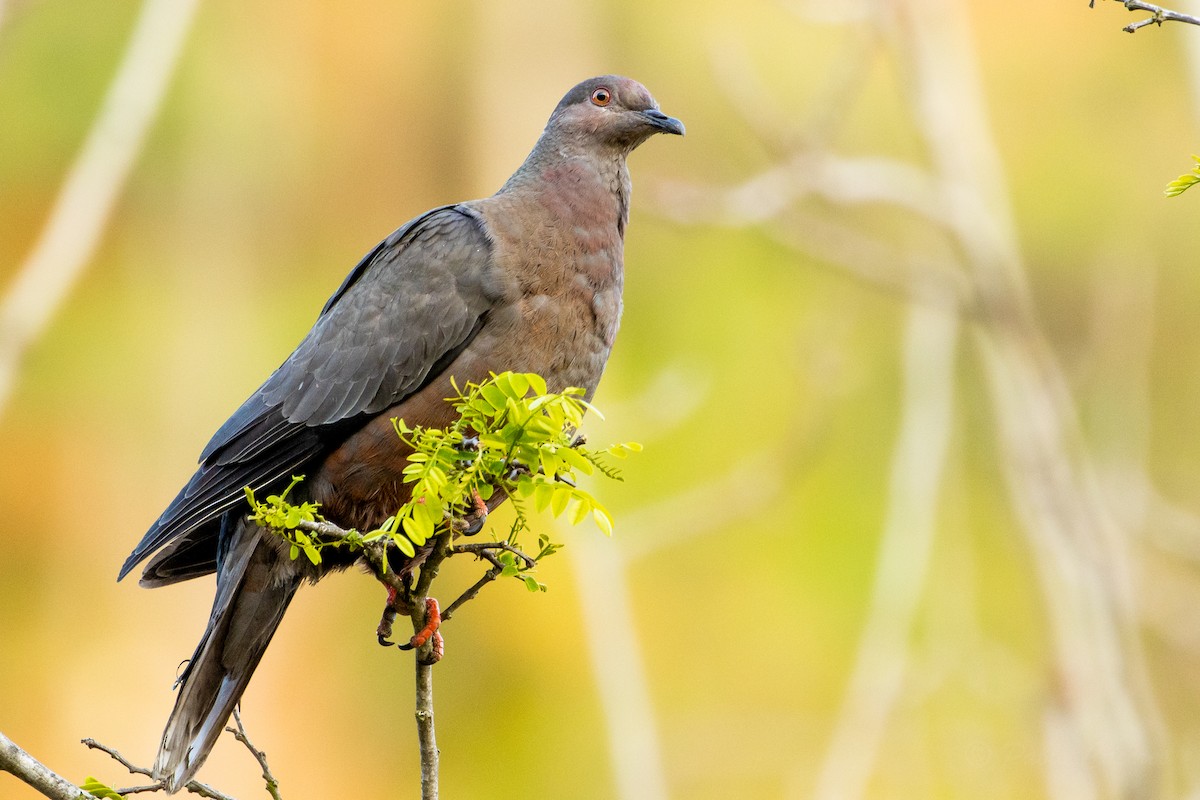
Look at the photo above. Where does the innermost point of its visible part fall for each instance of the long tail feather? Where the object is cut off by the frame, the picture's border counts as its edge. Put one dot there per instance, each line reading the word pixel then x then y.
pixel 255 584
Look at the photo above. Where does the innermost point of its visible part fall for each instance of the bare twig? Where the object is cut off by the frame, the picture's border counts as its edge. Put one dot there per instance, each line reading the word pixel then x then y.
pixel 486 549
pixel 425 732
pixel 194 787
pixel 1081 555
pixel 44 780
pixel 411 599
pixel 1158 15
pixel 239 733
pixel 471 593
pixel 81 211
pixel 115 755
pixel 151 787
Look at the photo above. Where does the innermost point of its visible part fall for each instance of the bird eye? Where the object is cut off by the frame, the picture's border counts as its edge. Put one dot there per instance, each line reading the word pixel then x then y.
pixel 601 96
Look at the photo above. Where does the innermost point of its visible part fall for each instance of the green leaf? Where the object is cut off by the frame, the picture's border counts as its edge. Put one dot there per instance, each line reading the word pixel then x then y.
pixel 551 462
pixel 404 544
pixel 531 583
pixel 494 395
pixel 603 520
pixel 414 530
pixel 562 496
pixel 580 511
pixel 1184 182
pixel 536 382
pixel 1181 185
pixel 572 457
pixel 313 554
pixel 98 789
pixel 543 493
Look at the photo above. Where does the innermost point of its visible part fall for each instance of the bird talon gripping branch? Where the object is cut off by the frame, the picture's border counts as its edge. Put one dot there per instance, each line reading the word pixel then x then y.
pixel 473 522
pixel 433 621
pixel 384 630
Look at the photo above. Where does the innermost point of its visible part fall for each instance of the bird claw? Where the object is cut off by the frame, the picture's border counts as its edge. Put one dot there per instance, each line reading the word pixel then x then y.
pixel 473 522
pixel 384 629
pixel 433 621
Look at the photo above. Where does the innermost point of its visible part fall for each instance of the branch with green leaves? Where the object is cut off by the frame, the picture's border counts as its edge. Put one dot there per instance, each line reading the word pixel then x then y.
pixel 513 439
pixel 1185 181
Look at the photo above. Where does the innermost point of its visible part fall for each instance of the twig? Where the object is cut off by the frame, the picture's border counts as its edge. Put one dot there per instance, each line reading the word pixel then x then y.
pixel 195 787
pixel 73 230
pixel 470 594
pixel 151 787
pixel 484 550
pixel 1158 15
pixel 426 737
pixel 239 733
pixel 411 599
pixel 92 744
pixel 44 780
pixel 425 732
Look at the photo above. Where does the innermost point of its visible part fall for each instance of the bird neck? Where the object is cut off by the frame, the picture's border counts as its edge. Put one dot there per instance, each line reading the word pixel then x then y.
pixel 585 183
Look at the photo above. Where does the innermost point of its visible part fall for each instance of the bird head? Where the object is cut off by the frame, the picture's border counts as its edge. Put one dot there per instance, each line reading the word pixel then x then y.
pixel 612 111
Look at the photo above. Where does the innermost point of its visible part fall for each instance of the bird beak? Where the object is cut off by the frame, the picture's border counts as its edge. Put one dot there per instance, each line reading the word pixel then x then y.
pixel 662 122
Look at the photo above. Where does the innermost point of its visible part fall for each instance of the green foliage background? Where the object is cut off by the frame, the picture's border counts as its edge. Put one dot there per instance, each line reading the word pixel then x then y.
pixel 764 383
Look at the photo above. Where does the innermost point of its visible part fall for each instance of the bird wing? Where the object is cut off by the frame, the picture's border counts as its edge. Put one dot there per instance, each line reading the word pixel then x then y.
pixel 397 321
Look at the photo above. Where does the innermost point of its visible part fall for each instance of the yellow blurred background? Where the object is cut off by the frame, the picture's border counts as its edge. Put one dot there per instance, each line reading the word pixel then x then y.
pixel 910 337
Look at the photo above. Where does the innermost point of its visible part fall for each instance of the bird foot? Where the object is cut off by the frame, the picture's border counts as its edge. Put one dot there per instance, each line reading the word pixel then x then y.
pixel 472 522
pixel 384 629
pixel 433 621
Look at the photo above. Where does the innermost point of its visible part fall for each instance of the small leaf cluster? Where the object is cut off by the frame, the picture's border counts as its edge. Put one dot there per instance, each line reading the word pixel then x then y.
pixel 512 436
pixel 1184 182
pixel 96 788
pixel 514 567
pixel 277 514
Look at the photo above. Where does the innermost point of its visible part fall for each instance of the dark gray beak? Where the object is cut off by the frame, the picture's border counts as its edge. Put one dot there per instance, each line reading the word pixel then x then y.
pixel 662 122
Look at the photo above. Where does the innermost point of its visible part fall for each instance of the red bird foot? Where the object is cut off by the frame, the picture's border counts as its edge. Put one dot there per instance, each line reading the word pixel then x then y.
pixel 433 621
pixel 384 630
pixel 472 523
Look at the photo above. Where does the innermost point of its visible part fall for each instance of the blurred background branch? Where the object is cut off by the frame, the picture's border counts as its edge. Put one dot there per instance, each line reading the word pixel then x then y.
pixel 92 185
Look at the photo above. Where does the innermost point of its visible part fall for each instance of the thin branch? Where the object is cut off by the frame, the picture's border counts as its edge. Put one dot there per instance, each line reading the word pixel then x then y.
pixel 73 230
pixel 471 593
pixel 1158 15
pixel 239 733
pixel 92 744
pixel 152 787
pixel 194 787
pixel 412 600
pixel 484 550
pixel 426 736
pixel 1081 555
pixel 44 780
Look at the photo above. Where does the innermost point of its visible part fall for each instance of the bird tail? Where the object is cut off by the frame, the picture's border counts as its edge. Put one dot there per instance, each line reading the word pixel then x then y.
pixel 255 584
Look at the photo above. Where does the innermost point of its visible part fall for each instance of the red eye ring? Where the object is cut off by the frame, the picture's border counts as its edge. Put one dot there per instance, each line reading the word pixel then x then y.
pixel 601 97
